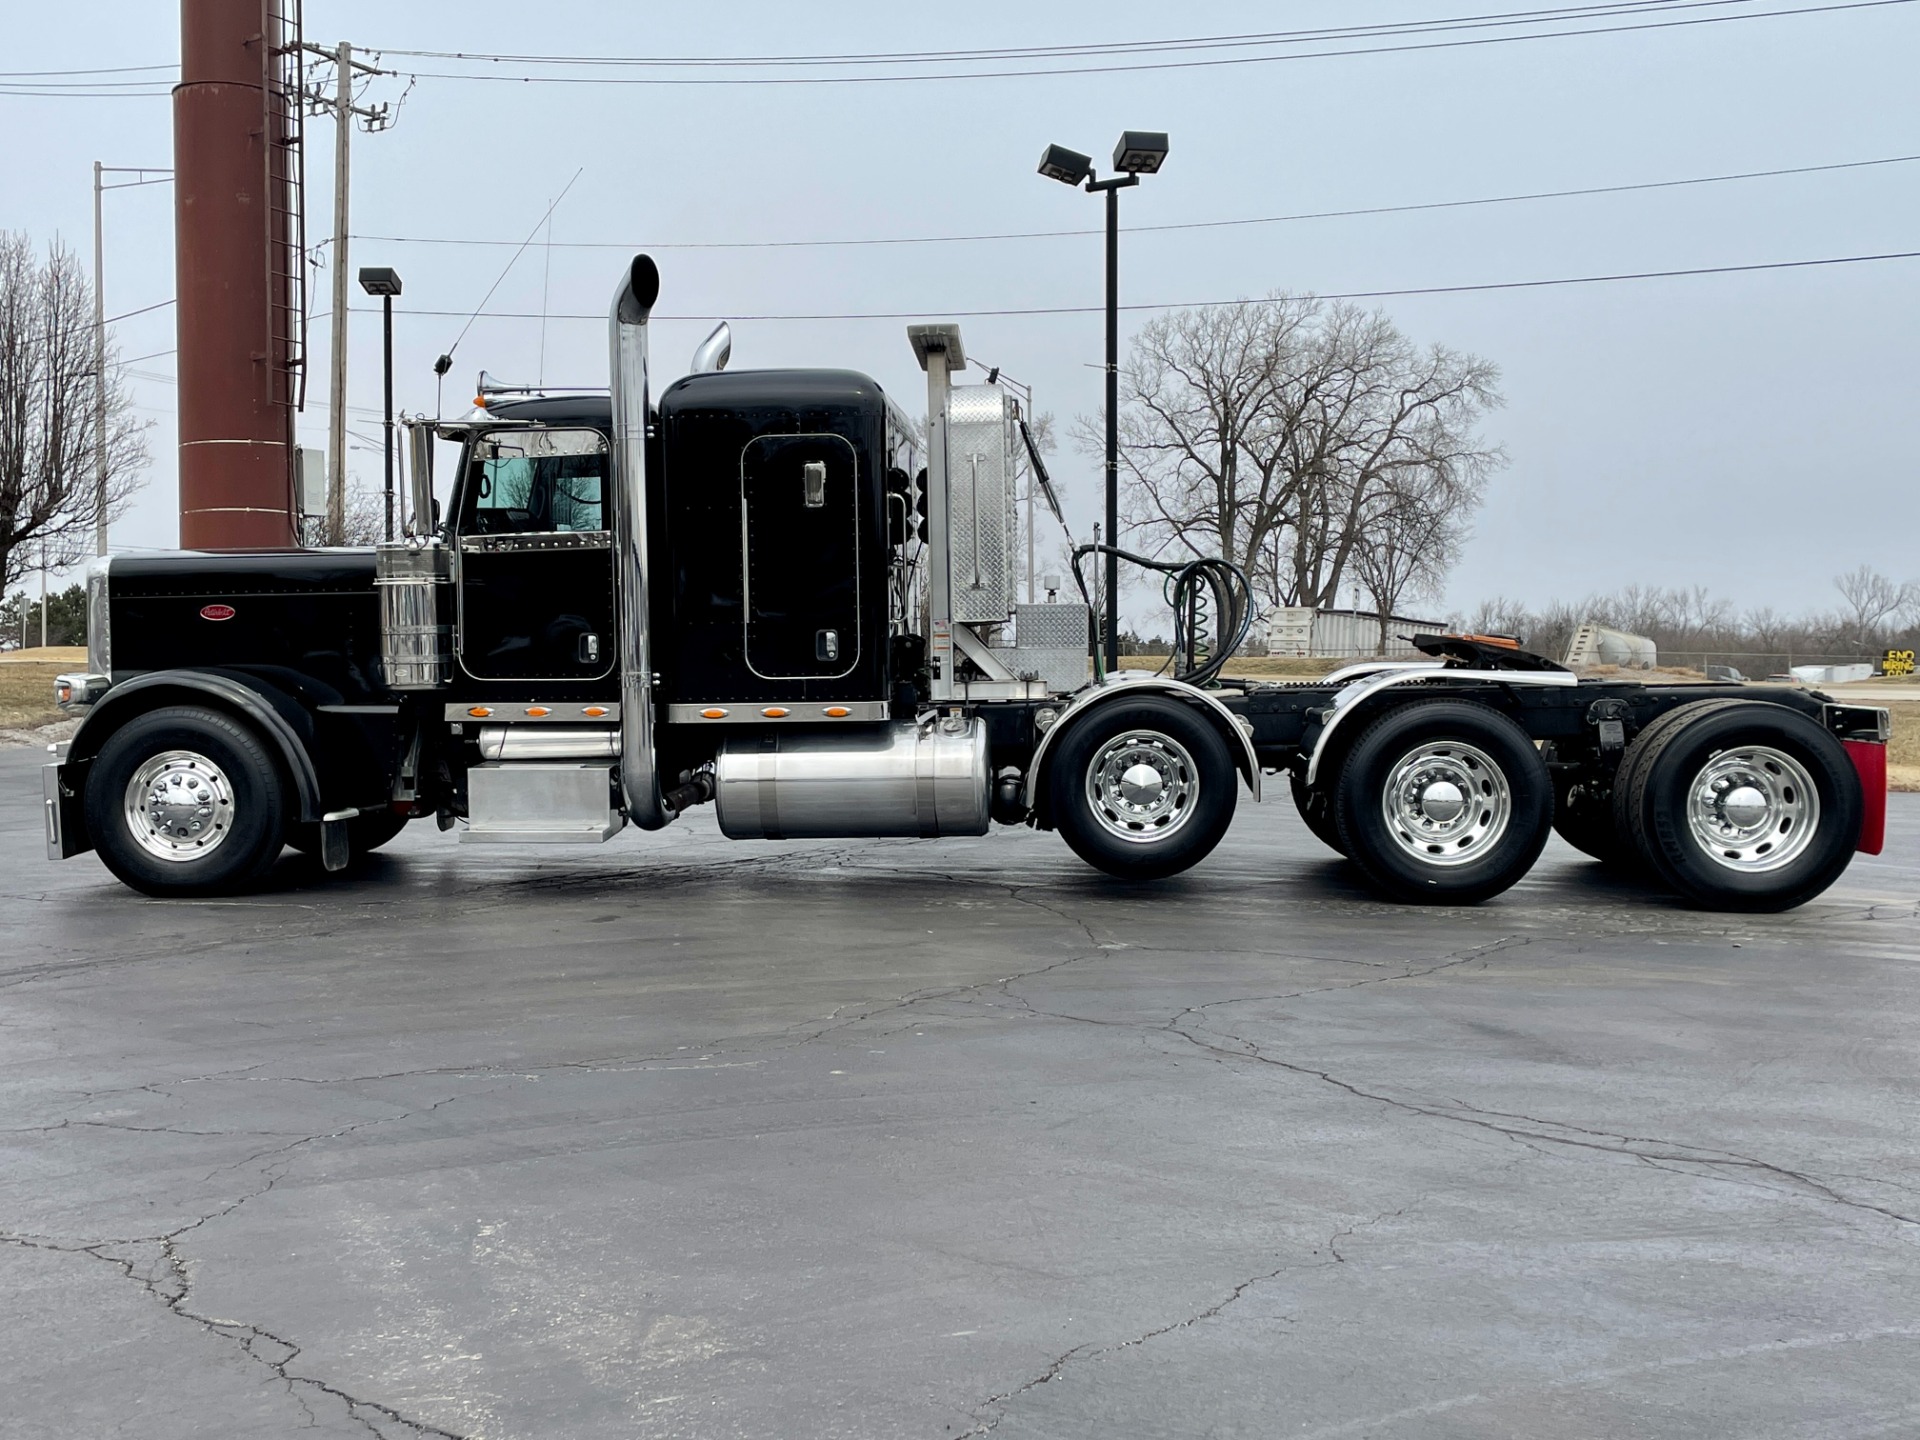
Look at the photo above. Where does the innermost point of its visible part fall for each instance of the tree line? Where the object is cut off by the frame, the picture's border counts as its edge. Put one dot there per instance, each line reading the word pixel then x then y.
pixel 1873 614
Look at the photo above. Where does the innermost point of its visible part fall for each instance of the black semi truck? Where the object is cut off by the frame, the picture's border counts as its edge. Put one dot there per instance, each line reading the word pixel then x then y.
pixel 766 592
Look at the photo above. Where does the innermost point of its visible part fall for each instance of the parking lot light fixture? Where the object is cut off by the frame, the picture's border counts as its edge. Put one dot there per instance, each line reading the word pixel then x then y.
pixel 1069 167
pixel 1140 152
pixel 384 282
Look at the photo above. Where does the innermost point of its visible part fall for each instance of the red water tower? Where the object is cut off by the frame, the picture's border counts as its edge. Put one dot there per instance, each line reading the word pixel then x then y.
pixel 235 138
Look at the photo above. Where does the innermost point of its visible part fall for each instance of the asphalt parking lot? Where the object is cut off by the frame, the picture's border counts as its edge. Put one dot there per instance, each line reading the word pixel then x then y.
pixel 678 1137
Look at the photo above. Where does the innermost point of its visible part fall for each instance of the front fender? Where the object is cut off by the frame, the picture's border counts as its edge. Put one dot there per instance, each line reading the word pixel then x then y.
pixel 286 724
pixel 1116 687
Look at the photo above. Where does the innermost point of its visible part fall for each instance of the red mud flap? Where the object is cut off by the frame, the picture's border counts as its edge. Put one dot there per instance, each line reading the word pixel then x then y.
pixel 1870 763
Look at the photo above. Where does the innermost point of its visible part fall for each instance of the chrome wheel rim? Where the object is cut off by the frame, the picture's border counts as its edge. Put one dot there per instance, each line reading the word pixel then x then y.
pixel 179 806
pixel 1142 786
pixel 1446 803
pixel 1753 809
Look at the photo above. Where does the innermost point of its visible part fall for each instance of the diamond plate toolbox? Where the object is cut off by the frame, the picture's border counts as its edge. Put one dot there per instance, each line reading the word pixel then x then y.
pixel 980 528
pixel 1051 645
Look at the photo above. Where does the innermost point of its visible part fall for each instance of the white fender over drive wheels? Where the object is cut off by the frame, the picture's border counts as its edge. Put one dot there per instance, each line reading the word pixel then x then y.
pixel 185 801
pixel 1142 789
pixel 1443 803
pixel 1740 805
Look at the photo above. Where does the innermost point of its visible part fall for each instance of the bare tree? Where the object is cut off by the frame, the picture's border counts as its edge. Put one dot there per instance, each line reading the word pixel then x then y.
pixel 50 499
pixel 1271 434
pixel 1871 601
pixel 1414 529
pixel 1763 627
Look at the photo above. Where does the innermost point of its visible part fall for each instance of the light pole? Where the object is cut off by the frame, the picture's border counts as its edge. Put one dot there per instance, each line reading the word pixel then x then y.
pixel 381 281
pixel 1140 152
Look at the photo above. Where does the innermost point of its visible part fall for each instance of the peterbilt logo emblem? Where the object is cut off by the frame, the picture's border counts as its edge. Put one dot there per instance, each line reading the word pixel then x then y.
pixel 216 612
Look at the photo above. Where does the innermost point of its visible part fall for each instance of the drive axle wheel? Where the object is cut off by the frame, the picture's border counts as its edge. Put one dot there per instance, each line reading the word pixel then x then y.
pixel 1583 817
pixel 185 801
pixel 1315 804
pixel 1444 803
pixel 1742 805
pixel 1142 789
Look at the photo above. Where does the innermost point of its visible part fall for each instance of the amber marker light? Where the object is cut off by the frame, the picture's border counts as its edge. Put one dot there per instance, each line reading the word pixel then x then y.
pixel 480 712
pixel 714 714
pixel 537 711
pixel 838 712
pixel 594 712
pixel 775 712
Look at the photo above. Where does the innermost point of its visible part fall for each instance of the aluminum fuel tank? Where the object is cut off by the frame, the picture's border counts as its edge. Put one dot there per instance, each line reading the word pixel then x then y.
pixel 911 778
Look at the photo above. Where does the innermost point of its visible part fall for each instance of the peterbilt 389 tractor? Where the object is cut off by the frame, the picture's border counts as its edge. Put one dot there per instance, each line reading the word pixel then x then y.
pixel 768 593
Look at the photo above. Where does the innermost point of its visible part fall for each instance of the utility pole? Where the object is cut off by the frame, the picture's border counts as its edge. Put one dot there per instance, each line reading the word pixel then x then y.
pixel 337 394
pixel 377 117
pixel 99 380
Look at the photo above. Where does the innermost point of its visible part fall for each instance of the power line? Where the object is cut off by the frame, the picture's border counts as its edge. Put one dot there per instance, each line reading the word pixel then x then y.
pixel 94 70
pixel 1405 209
pixel 143 310
pixel 1094 50
pixel 617 80
pixel 1412 290
pixel 15 92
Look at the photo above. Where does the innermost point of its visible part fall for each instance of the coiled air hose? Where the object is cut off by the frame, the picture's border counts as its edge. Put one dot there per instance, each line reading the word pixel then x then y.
pixel 1200 593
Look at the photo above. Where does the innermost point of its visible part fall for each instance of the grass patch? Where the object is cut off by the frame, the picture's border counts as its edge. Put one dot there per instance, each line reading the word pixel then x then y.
pixel 26 693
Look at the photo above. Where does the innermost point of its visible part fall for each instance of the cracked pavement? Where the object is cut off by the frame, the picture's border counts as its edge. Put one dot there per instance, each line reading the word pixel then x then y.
pixel 684 1138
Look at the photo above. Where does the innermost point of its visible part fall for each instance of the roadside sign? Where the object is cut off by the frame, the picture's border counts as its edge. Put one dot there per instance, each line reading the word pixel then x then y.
pixel 1898 662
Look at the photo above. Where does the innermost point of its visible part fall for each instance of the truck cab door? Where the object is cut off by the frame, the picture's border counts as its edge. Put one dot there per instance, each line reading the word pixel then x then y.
pixel 536 575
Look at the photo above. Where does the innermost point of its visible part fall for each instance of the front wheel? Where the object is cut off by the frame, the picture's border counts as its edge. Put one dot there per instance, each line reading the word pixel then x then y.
pixel 1142 789
pixel 185 801
pixel 1444 803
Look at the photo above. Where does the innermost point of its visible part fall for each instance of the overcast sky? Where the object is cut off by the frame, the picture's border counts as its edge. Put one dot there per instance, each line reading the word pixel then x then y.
pixel 1755 433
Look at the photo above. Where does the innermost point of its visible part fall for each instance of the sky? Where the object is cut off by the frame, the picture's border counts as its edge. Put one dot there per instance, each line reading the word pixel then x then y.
pixel 1754 433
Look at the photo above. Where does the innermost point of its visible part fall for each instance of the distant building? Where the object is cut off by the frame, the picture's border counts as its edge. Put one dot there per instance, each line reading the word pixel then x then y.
pixel 1343 634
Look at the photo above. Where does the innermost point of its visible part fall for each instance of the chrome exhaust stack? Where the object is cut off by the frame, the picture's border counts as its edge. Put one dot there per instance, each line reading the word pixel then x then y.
pixel 714 351
pixel 627 324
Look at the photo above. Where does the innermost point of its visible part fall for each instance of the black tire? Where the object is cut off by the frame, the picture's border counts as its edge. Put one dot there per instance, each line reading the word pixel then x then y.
pixel 1583 817
pixel 1157 841
pixel 1315 804
pixel 366 833
pixel 1704 848
pixel 241 798
pixel 1490 764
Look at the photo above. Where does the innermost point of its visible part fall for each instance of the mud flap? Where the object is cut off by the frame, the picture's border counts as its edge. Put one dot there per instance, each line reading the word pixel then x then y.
pixel 65 810
pixel 335 849
pixel 1870 764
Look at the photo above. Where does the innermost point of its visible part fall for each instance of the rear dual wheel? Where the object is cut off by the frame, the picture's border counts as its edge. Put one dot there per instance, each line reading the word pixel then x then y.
pixel 1739 805
pixel 1443 803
